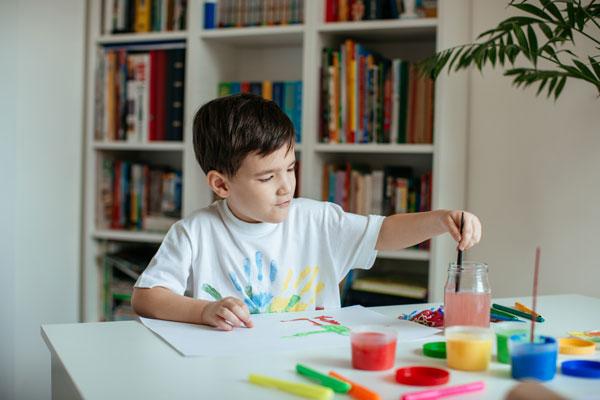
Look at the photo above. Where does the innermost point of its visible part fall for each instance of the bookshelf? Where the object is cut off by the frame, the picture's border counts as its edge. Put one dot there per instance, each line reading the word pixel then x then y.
pixel 290 52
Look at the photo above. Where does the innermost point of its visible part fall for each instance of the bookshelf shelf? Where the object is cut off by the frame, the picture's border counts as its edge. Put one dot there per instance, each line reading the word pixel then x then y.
pixel 374 148
pixel 154 146
pixel 141 37
pixel 128 236
pixel 419 255
pixel 256 36
pixel 385 29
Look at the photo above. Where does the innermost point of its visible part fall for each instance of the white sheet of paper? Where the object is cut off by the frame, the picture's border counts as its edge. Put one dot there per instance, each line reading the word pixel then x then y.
pixel 271 334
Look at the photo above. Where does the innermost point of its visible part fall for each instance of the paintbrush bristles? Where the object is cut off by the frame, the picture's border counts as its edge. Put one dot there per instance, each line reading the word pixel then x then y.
pixel 536 273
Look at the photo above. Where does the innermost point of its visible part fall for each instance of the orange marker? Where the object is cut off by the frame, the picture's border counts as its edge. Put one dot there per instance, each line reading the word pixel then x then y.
pixel 357 391
pixel 522 307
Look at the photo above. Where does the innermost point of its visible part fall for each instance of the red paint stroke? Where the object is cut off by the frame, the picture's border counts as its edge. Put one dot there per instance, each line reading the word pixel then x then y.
pixel 322 318
pixel 330 320
pixel 303 319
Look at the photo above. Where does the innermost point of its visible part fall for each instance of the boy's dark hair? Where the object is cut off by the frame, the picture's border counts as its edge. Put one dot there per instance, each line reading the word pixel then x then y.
pixel 229 128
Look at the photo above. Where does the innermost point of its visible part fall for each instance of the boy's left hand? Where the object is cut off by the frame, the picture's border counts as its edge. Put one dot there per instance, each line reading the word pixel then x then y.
pixel 471 234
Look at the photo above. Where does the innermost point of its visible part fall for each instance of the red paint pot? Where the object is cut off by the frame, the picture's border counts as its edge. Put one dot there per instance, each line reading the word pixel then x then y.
pixel 373 348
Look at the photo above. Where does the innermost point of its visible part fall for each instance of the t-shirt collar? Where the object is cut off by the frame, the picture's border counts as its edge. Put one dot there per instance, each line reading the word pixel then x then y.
pixel 249 228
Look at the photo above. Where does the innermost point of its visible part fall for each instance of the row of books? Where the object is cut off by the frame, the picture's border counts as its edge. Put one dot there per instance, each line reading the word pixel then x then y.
pixel 287 95
pixel 367 98
pixel 362 10
pixel 137 196
pixel 139 94
pixel 128 16
pixel 391 190
pixel 236 13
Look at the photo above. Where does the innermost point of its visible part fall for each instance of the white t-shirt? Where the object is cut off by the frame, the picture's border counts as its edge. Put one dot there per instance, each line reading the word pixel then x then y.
pixel 294 265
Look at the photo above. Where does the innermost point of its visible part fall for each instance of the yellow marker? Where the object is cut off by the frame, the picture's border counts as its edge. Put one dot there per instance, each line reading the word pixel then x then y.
pixel 300 389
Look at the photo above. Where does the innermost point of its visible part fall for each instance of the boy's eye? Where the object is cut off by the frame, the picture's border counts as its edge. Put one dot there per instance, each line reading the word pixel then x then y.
pixel 266 179
pixel 291 169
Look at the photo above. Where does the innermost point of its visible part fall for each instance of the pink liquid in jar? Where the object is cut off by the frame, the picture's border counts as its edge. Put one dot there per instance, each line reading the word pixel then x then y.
pixel 467 308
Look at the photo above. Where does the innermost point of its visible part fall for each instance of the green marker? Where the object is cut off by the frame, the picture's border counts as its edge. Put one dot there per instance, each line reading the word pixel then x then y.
pixel 516 312
pixel 325 380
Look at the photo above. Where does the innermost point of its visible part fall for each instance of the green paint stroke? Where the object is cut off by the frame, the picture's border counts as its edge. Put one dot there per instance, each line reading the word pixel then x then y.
pixel 214 293
pixel 293 301
pixel 337 329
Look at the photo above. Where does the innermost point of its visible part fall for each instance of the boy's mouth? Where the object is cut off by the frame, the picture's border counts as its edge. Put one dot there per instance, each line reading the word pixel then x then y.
pixel 283 204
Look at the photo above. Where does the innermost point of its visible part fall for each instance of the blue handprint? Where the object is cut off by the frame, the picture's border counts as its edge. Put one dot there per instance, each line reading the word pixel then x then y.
pixel 257 301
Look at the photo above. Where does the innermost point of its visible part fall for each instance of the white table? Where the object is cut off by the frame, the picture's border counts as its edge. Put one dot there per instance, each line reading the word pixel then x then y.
pixel 109 360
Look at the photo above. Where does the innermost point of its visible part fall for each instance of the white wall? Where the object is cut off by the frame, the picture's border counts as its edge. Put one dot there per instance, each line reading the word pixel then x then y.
pixel 41 103
pixel 534 179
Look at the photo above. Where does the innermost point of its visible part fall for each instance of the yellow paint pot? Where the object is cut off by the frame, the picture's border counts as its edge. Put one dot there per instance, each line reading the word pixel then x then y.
pixel 575 346
pixel 469 348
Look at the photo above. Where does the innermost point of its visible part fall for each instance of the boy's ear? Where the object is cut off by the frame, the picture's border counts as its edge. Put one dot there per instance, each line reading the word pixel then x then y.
pixel 218 183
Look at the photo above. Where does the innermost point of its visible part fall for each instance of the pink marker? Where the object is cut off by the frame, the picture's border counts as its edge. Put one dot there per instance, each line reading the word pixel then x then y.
pixel 447 391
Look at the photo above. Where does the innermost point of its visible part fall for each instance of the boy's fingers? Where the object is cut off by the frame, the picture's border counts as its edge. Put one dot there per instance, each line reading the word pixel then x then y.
pixel 221 324
pixel 243 314
pixel 229 317
pixel 452 228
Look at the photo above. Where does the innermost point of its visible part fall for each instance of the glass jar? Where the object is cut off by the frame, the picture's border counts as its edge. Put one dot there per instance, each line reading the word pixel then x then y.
pixel 467 295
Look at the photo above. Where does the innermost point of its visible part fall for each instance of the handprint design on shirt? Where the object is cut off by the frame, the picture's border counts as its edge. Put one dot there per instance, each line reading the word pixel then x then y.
pixel 262 292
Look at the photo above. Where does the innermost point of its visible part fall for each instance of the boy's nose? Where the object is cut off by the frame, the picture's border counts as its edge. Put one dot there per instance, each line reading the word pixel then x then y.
pixel 286 186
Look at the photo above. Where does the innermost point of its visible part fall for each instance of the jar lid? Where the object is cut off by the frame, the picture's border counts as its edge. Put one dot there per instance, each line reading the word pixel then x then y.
pixel 435 349
pixel 581 368
pixel 422 376
pixel 575 346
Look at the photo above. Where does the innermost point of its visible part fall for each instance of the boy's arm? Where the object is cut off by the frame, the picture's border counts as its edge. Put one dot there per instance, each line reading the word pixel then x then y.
pixel 161 303
pixel 404 230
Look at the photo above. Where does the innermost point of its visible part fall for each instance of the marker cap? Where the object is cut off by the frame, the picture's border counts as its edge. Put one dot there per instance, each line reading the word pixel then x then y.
pixel 422 376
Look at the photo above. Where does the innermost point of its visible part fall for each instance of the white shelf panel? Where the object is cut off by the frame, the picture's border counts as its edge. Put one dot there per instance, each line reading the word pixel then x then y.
pixel 152 146
pixel 141 37
pixel 374 148
pixel 381 29
pixel 128 236
pixel 419 255
pixel 257 36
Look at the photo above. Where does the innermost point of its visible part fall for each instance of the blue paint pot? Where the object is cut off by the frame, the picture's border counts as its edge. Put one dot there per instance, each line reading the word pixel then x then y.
pixel 533 360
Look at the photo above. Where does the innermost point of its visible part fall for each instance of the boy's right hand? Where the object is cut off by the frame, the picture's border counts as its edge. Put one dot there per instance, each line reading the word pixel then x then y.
pixel 226 314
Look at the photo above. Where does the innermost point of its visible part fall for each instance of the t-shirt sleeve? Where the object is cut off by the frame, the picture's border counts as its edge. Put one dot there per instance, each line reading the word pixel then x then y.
pixel 171 265
pixel 352 238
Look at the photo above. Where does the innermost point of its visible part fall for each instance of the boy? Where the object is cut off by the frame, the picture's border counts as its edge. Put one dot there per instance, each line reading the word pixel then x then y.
pixel 259 250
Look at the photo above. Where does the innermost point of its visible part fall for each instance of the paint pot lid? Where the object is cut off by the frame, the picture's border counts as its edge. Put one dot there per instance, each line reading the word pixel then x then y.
pixel 422 376
pixel 581 368
pixel 435 349
pixel 575 346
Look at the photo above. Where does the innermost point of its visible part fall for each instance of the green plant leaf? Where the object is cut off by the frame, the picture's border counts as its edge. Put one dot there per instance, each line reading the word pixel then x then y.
pixel 560 87
pixel 531 9
pixel 533 44
pixel 546 30
pixel 584 70
pixel 595 65
pixel 521 39
pixel 551 7
pixel 542 84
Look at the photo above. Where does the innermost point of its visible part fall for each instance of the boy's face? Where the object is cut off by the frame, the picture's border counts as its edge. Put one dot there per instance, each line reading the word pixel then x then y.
pixel 263 187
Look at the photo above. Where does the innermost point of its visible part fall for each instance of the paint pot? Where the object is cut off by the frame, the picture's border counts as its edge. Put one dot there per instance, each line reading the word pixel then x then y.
pixel 469 348
pixel 373 347
pixel 503 333
pixel 533 360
